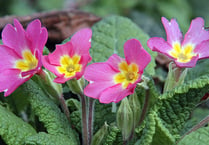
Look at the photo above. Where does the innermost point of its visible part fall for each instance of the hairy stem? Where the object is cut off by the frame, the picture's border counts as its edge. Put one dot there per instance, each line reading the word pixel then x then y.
pixel 90 118
pixel 144 110
pixel 196 127
pixel 64 107
pixel 84 120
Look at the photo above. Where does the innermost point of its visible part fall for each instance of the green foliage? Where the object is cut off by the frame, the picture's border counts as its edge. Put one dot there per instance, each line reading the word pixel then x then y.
pixel 198 137
pixel 43 138
pixel 109 36
pixel 13 130
pixel 54 120
pixel 167 117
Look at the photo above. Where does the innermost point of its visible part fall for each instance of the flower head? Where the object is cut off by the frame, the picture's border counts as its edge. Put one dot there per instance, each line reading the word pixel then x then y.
pixel 187 51
pixel 116 78
pixel 69 60
pixel 20 54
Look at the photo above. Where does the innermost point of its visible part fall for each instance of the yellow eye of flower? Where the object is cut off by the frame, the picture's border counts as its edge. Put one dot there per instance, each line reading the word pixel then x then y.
pixel 28 62
pixel 184 54
pixel 69 66
pixel 128 74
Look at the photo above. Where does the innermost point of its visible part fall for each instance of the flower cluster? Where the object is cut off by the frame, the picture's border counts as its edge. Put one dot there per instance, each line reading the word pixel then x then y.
pixel 110 81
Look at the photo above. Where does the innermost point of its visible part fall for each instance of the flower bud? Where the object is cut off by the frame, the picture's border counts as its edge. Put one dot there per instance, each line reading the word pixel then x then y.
pixel 125 119
pixel 136 108
pixel 76 86
pixel 100 135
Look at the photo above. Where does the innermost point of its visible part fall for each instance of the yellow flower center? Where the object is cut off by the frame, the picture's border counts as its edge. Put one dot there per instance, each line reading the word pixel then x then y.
pixel 184 54
pixel 28 62
pixel 128 74
pixel 69 66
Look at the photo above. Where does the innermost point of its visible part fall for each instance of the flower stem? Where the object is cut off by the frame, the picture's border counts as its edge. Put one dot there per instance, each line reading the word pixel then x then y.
pixel 84 120
pixel 90 118
pixel 144 110
pixel 64 107
pixel 199 125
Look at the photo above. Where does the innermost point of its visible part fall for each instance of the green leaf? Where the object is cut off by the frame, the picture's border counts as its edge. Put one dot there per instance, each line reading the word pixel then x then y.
pixel 198 137
pixel 48 112
pixel 177 105
pixel 100 135
pixel 13 130
pixel 109 36
pixel 43 138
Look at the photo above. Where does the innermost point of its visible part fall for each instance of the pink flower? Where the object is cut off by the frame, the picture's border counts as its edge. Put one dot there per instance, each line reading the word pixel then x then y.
pixel 113 80
pixel 20 54
pixel 187 51
pixel 69 60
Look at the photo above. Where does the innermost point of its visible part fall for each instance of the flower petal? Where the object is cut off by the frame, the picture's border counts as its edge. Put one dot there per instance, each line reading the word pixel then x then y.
pixel 202 49
pixel 99 72
pixel 62 49
pixel 172 31
pixel 36 35
pixel 114 61
pixel 10 80
pixel 93 90
pixel 159 45
pixel 8 57
pixel 189 64
pixel 81 40
pixel 196 33
pixel 49 66
pixel 115 93
pixel 134 53
pixel 14 37
pixel 62 79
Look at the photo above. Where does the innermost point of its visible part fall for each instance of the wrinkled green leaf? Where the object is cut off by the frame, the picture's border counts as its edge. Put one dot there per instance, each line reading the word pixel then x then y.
pixel 43 138
pixel 48 112
pixel 198 137
pixel 109 36
pixel 13 130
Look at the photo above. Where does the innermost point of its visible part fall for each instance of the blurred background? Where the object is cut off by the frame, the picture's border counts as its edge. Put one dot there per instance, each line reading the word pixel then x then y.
pixel 145 13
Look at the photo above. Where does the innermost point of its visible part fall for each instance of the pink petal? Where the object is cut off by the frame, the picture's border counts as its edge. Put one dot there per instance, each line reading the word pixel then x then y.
pixel 62 79
pixel 172 30
pixel 134 53
pixel 93 90
pixel 159 45
pixel 202 49
pixel 14 37
pixel 36 35
pixel 114 61
pixel 8 57
pixel 10 80
pixel 62 49
pixel 99 72
pixel 189 64
pixel 196 33
pixel 81 40
pixel 115 94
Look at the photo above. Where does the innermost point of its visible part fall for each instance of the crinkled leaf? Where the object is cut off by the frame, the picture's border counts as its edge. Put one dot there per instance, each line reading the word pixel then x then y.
pixel 48 112
pixel 43 138
pixel 109 36
pixel 13 130
pixel 198 137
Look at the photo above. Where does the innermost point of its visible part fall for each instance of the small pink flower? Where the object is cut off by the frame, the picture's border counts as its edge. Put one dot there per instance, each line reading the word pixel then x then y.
pixel 116 78
pixel 187 51
pixel 20 54
pixel 69 60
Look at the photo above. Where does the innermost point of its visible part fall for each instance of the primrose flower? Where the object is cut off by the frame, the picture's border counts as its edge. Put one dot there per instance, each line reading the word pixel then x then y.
pixel 20 54
pixel 69 60
pixel 113 80
pixel 187 51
